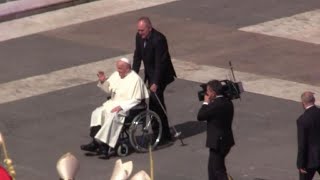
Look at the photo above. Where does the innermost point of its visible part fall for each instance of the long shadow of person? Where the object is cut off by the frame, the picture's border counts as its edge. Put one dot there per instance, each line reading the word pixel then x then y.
pixel 187 129
pixel 191 128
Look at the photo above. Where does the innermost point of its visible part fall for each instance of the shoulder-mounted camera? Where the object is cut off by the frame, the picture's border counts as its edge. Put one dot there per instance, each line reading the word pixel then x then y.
pixel 231 89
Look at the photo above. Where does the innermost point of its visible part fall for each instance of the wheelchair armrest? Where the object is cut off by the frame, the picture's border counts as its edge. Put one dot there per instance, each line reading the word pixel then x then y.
pixel 134 111
pixel 142 105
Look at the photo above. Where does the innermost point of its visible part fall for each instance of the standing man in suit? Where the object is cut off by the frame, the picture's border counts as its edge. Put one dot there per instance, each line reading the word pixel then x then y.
pixel 218 111
pixel 308 124
pixel 152 49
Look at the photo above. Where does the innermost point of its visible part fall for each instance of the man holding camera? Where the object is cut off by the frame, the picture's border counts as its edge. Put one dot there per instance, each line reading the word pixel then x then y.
pixel 218 111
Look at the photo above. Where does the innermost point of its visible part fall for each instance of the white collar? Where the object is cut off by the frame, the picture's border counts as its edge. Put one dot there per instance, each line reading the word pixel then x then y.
pixel 309 106
pixel 219 96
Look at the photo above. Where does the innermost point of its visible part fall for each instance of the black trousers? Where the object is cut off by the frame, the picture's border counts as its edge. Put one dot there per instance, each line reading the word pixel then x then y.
pixel 94 130
pixel 216 165
pixel 309 175
pixel 156 107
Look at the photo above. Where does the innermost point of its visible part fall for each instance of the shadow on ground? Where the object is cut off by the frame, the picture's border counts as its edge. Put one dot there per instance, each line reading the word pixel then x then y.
pixel 191 128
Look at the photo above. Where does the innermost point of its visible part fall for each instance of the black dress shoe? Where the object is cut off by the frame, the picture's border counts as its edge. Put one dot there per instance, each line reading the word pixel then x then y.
pixel 92 147
pixel 103 150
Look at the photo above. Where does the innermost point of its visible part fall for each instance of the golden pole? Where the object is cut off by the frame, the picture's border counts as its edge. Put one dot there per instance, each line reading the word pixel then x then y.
pixel 151 162
pixel 7 160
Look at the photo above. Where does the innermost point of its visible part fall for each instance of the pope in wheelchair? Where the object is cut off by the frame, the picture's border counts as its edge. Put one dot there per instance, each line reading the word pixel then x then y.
pixel 125 114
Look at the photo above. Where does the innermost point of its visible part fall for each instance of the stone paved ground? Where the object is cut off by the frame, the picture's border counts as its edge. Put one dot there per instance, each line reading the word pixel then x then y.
pixel 40 126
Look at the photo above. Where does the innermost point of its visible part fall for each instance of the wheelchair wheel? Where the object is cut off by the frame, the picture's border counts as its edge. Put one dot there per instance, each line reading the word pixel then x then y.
pixel 122 150
pixel 146 128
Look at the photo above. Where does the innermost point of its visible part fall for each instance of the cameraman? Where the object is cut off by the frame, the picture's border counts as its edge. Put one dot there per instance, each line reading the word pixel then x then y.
pixel 218 111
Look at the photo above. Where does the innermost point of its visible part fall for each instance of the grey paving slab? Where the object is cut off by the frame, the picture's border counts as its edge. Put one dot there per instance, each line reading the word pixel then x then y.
pixel 209 42
pixel 40 129
pixel 232 13
pixel 40 54
pixel 4 1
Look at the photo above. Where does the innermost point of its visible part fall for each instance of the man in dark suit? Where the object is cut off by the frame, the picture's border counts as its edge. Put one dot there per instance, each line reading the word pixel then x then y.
pixel 308 124
pixel 218 111
pixel 152 49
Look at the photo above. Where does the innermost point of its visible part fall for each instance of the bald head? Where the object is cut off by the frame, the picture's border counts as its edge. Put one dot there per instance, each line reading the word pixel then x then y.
pixel 144 27
pixel 307 98
pixel 146 20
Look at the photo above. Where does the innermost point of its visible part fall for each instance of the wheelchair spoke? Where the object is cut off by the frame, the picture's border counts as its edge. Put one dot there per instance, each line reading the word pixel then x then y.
pixel 146 129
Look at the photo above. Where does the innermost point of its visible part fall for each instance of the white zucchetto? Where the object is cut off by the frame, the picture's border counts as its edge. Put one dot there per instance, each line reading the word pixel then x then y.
pixel 126 60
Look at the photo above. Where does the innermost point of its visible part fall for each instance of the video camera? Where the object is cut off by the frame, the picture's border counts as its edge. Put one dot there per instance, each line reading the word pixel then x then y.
pixel 230 89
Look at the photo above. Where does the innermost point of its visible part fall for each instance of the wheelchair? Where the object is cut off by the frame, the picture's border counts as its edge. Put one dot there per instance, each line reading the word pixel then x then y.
pixel 142 128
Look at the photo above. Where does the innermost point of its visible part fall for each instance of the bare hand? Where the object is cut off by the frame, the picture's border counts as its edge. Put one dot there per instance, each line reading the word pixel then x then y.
pixel 206 98
pixel 101 76
pixel 303 171
pixel 116 109
pixel 154 88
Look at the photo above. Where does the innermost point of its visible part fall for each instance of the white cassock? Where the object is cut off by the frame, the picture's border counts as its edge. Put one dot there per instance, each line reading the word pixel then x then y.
pixel 126 93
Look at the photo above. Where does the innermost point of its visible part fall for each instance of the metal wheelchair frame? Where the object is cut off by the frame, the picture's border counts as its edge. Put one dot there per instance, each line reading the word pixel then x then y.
pixel 142 127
